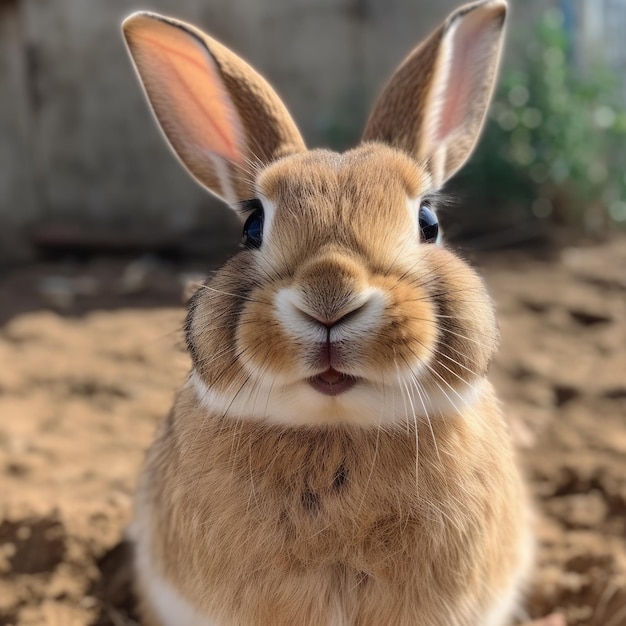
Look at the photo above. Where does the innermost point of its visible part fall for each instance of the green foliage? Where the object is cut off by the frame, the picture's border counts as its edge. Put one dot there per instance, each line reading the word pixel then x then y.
pixel 555 144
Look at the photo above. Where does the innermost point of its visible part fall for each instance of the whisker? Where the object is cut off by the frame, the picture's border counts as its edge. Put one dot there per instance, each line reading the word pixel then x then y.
pixel 371 472
pixel 456 408
pixel 428 420
pixel 417 489
pixel 215 357
pixel 232 295
pixel 435 353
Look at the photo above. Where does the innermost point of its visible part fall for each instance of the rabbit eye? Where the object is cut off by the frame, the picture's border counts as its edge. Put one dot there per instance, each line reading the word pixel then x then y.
pixel 429 225
pixel 253 228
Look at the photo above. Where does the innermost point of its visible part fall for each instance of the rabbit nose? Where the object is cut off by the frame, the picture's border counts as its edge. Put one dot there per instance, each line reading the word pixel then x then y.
pixel 333 319
pixel 316 321
pixel 330 299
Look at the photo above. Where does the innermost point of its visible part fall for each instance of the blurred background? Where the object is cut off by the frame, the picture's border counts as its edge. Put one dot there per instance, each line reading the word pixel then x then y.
pixel 82 165
pixel 100 228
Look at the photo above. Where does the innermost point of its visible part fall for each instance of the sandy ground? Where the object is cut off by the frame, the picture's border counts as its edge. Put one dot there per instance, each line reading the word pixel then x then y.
pixel 83 387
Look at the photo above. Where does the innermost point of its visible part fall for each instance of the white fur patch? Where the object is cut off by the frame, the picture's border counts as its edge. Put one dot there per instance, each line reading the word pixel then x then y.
pixel 269 210
pixel 366 404
pixel 290 312
pixel 508 604
pixel 171 608
pixel 164 600
pixel 293 313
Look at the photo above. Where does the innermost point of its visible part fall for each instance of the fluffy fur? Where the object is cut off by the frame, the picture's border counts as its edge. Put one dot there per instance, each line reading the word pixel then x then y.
pixel 270 525
pixel 398 501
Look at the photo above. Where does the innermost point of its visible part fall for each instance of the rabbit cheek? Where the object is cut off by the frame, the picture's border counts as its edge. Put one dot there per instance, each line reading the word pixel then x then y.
pixel 409 337
pixel 210 341
pixel 264 347
pixel 469 334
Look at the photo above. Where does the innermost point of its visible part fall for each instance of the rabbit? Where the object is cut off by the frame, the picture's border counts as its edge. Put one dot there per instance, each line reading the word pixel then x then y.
pixel 336 455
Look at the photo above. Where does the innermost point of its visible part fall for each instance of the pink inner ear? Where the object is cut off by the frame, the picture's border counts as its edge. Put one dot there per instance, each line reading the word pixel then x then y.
pixel 468 49
pixel 186 81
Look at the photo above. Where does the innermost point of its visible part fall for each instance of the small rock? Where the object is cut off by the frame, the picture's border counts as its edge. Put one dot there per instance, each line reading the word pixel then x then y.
pixel 191 282
pixel 61 291
pixel 586 317
pixel 587 510
pixel 138 274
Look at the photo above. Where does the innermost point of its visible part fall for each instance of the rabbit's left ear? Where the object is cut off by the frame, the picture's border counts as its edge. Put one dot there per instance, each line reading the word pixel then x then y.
pixel 435 104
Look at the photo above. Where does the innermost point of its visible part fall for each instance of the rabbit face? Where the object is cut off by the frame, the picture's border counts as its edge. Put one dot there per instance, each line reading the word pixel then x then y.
pixel 343 309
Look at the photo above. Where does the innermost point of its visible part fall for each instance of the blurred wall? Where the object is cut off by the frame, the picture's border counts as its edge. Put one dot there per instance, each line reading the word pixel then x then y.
pixel 79 153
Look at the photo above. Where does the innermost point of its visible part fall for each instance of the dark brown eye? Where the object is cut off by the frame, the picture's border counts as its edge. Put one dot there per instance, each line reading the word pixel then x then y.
pixel 429 224
pixel 253 228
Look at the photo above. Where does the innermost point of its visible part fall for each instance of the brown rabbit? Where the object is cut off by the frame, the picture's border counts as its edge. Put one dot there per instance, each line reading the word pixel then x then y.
pixel 336 456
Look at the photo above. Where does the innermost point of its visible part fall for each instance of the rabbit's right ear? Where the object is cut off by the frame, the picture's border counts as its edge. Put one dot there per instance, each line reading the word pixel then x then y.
pixel 221 118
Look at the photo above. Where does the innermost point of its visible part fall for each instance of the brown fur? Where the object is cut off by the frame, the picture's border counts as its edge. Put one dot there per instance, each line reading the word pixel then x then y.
pixel 405 127
pixel 281 522
pixel 268 130
pixel 325 517
pixel 340 204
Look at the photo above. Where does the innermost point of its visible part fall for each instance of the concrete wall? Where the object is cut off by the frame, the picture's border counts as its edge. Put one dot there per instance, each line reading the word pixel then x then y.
pixel 79 152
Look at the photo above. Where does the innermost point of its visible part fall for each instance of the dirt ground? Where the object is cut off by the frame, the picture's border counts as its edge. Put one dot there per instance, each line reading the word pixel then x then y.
pixel 91 354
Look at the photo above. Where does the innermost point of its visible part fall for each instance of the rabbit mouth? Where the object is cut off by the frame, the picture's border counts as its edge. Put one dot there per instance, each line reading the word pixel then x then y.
pixel 332 383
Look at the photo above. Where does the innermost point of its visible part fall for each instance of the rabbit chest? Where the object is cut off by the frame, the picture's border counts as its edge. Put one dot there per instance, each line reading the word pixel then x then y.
pixel 266 525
